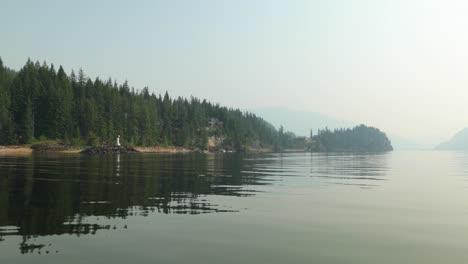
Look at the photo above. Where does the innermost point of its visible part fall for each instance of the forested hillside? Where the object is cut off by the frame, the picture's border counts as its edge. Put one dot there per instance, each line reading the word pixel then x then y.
pixel 40 102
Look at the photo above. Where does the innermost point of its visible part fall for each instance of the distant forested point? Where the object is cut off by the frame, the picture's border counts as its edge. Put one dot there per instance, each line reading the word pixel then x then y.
pixel 358 139
pixel 40 102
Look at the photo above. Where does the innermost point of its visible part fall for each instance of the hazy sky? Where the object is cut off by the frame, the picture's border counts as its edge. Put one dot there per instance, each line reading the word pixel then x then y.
pixel 399 65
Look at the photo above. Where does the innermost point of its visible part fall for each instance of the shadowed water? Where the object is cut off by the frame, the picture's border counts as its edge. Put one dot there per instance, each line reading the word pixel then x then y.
pixel 232 208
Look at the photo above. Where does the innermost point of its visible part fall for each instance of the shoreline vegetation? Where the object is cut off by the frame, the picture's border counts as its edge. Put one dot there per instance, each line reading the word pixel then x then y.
pixel 50 111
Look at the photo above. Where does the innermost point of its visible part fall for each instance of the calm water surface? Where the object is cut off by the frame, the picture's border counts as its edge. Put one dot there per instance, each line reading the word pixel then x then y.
pixel 400 207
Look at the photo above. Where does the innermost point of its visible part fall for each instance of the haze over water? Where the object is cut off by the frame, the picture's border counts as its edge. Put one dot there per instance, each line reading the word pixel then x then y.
pixel 397 65
pixel 399 207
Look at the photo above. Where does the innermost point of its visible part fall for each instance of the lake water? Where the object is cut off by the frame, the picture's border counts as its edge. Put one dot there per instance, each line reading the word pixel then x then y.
pixel 399 207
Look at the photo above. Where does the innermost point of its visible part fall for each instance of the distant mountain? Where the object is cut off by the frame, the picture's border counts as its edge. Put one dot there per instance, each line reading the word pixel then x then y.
pixel 458 142
pixel 300 122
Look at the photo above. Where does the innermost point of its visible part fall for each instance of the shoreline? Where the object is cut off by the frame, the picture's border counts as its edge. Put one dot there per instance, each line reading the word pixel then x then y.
pixel 25 150
pixel 165 150
pixel 15 150
pixel 28 149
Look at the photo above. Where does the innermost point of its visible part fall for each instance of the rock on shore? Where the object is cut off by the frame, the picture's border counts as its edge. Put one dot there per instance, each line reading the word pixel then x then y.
pixel 109 150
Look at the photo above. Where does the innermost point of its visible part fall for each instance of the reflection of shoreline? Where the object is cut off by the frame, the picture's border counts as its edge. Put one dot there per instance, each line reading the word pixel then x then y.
pixel 42 194
pixel 79 225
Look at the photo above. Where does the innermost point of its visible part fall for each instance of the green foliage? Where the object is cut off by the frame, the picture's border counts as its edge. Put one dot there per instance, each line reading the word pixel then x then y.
pixel 93 140
pixel 357 139
pixel 6 123
pixel 40 101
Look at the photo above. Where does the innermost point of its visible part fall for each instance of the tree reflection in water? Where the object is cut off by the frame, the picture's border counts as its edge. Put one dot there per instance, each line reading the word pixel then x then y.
pixel 54 194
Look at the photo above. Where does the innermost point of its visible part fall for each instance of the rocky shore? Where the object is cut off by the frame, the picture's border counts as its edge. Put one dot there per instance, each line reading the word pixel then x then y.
pixel 159 149
pixel 112 149
pixel 104 150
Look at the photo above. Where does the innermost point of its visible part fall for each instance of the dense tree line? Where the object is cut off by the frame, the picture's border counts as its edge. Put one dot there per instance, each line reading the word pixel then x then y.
pixel 358 139
pixel 40 102
pixel 6 121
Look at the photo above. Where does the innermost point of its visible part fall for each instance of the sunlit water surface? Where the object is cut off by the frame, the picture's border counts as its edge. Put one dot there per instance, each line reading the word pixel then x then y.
pixel 400 207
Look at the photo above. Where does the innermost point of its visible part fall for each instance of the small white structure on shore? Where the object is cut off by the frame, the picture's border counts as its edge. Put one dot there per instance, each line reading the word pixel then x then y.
pixel 118 140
